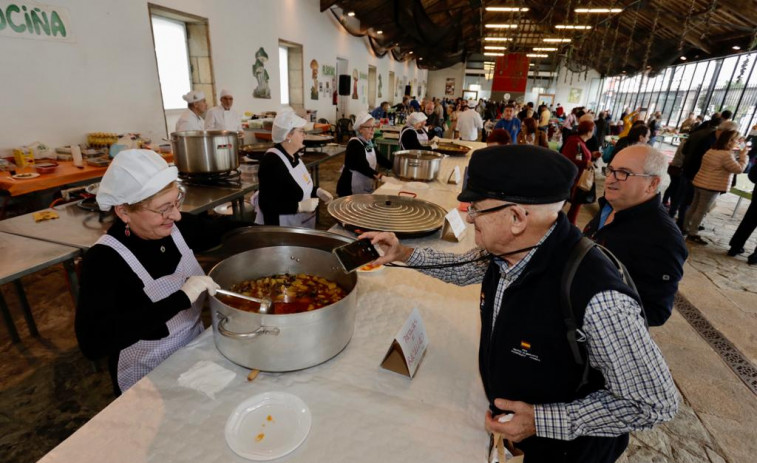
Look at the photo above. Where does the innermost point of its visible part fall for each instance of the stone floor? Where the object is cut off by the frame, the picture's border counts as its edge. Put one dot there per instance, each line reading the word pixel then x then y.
pixel 48 390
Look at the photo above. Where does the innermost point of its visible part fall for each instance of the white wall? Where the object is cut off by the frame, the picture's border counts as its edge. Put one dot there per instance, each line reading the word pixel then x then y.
pixel 566 80
pixel 107 80
pixel 437 80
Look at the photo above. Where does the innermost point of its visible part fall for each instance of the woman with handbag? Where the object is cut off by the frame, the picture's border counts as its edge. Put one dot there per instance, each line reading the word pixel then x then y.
pixel 576 150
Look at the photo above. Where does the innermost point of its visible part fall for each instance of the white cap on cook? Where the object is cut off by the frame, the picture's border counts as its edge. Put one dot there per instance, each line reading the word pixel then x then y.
pixel 193 96
pixel 134 175
pixel 225 92
pixel 285 121
pixel 416 117
pixel 362 119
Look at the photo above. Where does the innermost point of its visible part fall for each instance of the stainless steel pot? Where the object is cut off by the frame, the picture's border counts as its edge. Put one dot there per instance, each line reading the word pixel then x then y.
pixel 417 164
pixel 283 342
pixel 205 152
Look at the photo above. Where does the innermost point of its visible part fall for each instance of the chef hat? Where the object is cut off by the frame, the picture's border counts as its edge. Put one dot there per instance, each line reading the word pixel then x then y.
pixel 225 92
pixel 284 123
pixel 416 117
pixel 362 119
pixel 134 175
pixel 193 96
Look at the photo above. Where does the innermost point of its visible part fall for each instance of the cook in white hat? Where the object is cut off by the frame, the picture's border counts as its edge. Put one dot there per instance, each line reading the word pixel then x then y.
pixel 286 195
pixel 414 135
pixel 360 170
pixel 222 117
pixel 191 118
pixel 142 289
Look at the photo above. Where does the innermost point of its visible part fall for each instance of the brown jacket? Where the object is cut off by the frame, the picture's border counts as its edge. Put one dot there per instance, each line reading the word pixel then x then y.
pixel 717 167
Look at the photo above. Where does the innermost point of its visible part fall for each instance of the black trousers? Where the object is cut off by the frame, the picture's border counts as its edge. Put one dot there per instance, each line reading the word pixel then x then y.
pixel 747 225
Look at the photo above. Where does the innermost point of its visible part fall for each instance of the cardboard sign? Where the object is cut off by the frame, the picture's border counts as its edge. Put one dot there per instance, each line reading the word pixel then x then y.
pixel 454 226
pixel 408 347
pixel 454 176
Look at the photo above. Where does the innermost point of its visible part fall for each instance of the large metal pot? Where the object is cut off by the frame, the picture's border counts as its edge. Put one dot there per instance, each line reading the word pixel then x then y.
pixel 283 342
pixel 417 164
pixel 205 152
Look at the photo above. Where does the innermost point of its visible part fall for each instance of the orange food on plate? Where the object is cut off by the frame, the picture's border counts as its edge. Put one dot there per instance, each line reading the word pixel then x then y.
pixel 370 267
pixel 259 437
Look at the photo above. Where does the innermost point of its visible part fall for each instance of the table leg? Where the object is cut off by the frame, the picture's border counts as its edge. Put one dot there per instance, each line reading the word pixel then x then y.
pixel 25 307
pixel 236 210
pixel 73 281
pixel 9 320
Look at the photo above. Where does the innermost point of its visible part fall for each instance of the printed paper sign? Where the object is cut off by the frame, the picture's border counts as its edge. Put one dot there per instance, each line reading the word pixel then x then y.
pixel 456 223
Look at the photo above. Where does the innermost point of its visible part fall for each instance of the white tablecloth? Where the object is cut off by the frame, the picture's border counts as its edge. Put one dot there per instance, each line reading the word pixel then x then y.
pixel 361 412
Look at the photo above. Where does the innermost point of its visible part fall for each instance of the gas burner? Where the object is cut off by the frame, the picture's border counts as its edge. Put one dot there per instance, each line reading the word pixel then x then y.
pixel 230 178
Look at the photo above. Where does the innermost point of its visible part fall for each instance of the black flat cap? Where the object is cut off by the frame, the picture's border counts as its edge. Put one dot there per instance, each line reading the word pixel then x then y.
pixel 522 174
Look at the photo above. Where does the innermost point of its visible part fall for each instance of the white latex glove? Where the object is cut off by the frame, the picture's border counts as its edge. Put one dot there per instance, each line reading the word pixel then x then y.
pixel 325 196
pixel 196 285
pixel 307 205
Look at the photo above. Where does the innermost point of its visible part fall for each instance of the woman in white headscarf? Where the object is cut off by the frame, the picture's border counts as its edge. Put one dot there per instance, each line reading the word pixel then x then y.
pixel 142 288
pixel 414 136
pixel 191 118
pixel 286 195
pixel 361 162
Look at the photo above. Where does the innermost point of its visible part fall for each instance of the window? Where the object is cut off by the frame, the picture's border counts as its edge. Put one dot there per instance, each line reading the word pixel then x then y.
pixel 284 74
pixel 172 55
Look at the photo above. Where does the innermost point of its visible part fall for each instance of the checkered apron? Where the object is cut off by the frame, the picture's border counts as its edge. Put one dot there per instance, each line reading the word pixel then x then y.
pixel 140 358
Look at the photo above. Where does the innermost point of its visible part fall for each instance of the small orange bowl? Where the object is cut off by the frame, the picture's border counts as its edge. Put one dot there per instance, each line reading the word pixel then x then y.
pixel 46 167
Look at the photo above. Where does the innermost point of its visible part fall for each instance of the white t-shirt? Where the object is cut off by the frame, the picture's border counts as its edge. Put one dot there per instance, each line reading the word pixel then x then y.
pixel 218 118
pixel 189 121
pixel 468 124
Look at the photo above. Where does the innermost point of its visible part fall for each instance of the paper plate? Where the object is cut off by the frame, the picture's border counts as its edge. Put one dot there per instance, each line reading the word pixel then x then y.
pixel 26 176
pixel 224 209
pixel 268 426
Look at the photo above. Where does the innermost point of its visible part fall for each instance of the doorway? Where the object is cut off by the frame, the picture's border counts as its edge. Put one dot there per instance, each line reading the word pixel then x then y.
pixel 371 87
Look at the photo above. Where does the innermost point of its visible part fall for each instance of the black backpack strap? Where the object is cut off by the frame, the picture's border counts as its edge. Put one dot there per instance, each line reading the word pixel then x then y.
pixel 577 254
pixel 625 276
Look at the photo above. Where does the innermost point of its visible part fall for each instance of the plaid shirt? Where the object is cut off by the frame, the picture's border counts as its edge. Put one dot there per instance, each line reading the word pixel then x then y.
pixel 639 390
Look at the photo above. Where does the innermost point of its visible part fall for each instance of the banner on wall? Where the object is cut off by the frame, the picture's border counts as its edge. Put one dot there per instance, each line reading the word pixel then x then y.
pixel 31 20
pixel 510 76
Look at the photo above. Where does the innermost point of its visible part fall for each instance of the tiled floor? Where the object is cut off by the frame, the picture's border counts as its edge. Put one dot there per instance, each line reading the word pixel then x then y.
pixel 47 390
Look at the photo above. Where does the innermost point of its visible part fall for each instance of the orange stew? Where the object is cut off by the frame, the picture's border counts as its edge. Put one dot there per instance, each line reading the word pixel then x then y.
pixel 289 293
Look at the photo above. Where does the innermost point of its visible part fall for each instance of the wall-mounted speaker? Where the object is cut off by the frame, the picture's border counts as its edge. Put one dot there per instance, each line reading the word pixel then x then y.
pixel 344 84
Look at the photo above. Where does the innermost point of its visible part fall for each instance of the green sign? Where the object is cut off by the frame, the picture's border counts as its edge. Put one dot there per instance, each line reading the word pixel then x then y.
pixel 30 20
pixel 329 70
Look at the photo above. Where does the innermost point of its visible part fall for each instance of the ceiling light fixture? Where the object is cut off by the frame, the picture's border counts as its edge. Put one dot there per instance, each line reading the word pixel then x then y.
pixel 683 58
pixel 488 53
pixel 537 55
pixel 351 14
pixel 545 49
pixel 494 48
pixel 501 26
pixel 379 32
pixel 498 39
pixel 598 10
pixel 506 8
pixel 736 47
pixel 410 52
pixel 556 40
pixel 572 26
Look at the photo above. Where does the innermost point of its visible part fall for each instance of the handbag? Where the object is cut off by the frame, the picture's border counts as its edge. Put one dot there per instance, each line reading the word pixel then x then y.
pixel 586 180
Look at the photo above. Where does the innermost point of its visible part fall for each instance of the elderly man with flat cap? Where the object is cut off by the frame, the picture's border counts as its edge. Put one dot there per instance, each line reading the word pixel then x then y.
pixel 562 409
pixel 222 117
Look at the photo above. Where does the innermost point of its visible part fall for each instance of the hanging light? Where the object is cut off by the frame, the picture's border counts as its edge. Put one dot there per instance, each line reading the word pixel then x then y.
pixel 556 40
pixel 506 8
pixel 598 10
pixel 736 47
pixel 577 27
pixel 545 49
pixel 498 39
pixel 489 53
pixel 379 32
pixel 494 48
pixel 351 14
pixel 537 55
pixel 501 26
pixel 683 58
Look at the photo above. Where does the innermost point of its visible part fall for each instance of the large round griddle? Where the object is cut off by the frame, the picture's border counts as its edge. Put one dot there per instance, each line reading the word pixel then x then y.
pixel 402 215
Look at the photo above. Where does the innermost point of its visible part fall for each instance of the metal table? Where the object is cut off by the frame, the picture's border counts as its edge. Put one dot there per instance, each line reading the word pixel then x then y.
pixel 22 256
pixel 202 198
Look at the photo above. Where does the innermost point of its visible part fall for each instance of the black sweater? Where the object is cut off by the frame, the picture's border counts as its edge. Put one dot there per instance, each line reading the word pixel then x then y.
pixel 409 140
pixel 113 311
pixel 279 193
pixel 355 159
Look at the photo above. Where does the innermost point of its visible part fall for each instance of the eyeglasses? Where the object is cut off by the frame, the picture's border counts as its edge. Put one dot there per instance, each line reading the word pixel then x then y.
pixel 473 212
pixel 368 127
pixel 166 210
pixel 622 175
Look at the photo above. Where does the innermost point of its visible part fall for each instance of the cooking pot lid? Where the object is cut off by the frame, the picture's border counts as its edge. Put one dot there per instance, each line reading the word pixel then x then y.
pixel 397 214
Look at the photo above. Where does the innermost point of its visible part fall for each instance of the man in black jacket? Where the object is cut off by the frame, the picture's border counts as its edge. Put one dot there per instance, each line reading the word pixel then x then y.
pixel 633 225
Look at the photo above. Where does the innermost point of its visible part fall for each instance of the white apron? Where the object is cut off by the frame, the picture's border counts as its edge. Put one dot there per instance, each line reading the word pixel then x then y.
pixel 362 184
pixel 422 136
pixel 302 177
pixel 142 357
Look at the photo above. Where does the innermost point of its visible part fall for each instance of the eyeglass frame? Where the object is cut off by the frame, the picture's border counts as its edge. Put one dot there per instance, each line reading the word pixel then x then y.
pixel 610 171
pixel 371 127
pixel 473 212
pixel 170 206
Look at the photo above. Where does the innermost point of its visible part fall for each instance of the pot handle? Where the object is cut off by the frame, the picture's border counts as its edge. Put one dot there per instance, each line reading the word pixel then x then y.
pixel 222 319
pixel 409 193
